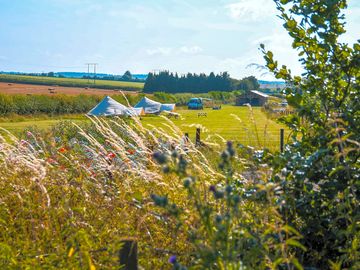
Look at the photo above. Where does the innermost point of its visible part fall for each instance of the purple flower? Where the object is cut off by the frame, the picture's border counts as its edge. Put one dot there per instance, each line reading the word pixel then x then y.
pixel 229 144
pixel 212 188
pixel 172 259
pixel 159 157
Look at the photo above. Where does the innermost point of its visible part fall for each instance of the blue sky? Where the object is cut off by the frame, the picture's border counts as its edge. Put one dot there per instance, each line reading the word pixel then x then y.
pixel 145 35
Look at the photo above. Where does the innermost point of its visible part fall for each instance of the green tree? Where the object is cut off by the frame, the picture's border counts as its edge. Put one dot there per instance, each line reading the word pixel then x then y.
pixel 127 76
pixel 247 84
pixel 320 171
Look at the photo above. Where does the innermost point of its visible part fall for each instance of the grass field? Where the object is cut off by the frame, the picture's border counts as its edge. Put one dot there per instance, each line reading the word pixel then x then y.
pixel 232 123
pixel 71 82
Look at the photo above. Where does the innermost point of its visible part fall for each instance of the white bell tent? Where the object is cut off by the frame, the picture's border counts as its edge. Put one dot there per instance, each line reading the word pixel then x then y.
pixel 150 106
pixel 154 107
pixel 110 107
pixel 167 107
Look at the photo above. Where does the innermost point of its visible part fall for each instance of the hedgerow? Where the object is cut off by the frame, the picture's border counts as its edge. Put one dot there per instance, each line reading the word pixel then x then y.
pixel 54 105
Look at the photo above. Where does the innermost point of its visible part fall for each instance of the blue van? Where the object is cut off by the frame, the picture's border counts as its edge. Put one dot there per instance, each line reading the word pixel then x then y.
pixel 195 104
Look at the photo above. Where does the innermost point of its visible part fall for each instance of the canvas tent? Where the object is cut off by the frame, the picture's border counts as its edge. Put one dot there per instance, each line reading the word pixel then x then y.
pixel 167 107
pixel 137 111
pixel 110 107
pixel 149 105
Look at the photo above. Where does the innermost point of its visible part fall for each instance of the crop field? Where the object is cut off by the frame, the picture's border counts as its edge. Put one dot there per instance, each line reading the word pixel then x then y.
pixel 71 82
pixel 241 124
pixel 14 89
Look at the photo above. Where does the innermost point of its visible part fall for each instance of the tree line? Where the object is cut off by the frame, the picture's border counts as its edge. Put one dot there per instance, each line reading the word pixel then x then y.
pixel 169 82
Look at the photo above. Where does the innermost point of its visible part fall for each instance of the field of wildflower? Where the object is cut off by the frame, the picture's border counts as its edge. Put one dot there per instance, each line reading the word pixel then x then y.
pixel 70 195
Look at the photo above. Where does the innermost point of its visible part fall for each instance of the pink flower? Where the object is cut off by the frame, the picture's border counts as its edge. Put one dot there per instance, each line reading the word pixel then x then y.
pixel 23 142
pixel 51 161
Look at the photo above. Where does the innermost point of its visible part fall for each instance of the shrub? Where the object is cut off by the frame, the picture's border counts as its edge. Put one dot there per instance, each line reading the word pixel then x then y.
pixel 319 172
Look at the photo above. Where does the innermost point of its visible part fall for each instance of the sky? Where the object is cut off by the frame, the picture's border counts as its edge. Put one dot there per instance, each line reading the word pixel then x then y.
pixel 148 35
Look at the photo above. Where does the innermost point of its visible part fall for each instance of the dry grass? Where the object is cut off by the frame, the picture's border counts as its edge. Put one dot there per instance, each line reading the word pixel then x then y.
pixel 62 200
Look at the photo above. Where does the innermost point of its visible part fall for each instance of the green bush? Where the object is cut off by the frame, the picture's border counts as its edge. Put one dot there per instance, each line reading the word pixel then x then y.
pixel 320 171
pixel 43 104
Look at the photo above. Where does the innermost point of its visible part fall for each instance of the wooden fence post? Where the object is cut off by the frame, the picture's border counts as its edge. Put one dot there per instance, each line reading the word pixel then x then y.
pixel 128 255
pixel 281 140
pixel 197 138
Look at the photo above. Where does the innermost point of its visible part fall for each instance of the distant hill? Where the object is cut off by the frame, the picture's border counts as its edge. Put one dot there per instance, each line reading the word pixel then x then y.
pixel 271 84
pixel 140 76
pixel 79 75
pixel 99 75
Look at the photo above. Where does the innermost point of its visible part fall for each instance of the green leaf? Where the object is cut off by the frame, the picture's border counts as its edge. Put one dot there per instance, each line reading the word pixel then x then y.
pixel 288 229
pixel 291 24
pixel 270 54
pixel 293 242
pixel 297 264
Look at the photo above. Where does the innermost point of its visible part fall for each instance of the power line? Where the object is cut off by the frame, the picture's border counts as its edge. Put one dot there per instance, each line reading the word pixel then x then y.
pixel 94 65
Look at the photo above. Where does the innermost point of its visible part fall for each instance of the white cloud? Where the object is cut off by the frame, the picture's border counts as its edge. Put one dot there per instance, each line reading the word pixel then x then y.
pixel 191 50
pixel 159 51
pixel 251 10
pixel 167 51
pixel 352 18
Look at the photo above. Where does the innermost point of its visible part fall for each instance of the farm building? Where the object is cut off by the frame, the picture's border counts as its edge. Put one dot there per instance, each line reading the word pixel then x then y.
pixel 253 97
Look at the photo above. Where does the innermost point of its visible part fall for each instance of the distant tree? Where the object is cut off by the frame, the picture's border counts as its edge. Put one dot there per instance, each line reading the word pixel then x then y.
pixel 254 82
pixel 51 74
pixel 127 76
pixel 194 83
pixel 248 83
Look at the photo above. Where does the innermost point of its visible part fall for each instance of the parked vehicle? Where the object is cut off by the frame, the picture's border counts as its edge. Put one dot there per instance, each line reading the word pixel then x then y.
pixel 195 104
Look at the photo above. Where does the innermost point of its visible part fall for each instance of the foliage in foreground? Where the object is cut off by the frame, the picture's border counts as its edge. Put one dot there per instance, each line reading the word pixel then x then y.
pixel 320 171
pixel 69 197
pixel 233 223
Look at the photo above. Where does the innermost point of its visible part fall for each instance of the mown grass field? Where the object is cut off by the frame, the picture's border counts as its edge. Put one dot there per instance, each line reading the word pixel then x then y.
pixel 240 124
pixel 71 82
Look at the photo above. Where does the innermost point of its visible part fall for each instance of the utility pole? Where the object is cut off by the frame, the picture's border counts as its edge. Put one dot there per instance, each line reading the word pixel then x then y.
pixel 94 65
pixel 95 72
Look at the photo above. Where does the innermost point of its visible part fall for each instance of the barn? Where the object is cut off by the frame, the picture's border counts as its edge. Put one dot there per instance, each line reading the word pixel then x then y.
pixel 253 97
